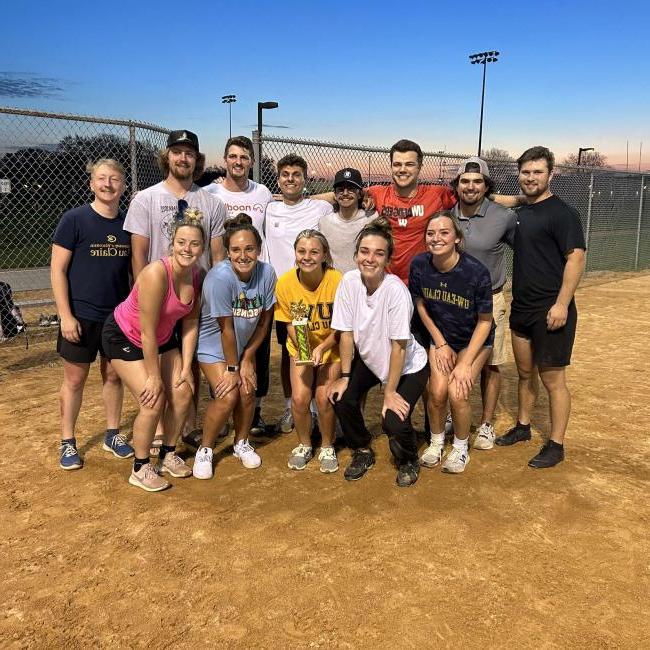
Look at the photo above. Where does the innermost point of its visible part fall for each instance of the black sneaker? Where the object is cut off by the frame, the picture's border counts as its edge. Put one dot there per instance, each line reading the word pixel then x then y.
pixel 193 438
pixel 361 462
pixel 510 437
pixel 549 455
pixel 258 428
pixel 407 474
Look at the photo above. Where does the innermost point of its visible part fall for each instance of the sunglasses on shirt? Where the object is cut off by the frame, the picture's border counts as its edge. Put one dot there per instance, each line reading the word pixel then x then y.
pixel 182 206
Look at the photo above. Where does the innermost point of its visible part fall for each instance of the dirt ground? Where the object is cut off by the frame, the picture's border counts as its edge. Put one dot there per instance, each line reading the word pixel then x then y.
pixel 501 556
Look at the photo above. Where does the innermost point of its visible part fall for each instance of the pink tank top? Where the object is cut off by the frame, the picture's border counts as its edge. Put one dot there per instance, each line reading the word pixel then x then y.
pixel 127 313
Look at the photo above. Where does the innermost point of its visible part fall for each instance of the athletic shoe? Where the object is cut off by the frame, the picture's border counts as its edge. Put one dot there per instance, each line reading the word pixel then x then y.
pixel 285 423
pixel 484 437
pixel 69 456
pixel 54 319
pixel 147 478
pixel 510 437
pixel 174 465
pixel 328 461
pixel 456 460
pixel 300 456
pixel 155 446
pixel 118 446
pixel 203 463
pixel 361 462
pixel 43 320
pixel 549 455
pixel 407 474
pixel 258 428
pixel 245 453
pixel 193 438
pixel 432 454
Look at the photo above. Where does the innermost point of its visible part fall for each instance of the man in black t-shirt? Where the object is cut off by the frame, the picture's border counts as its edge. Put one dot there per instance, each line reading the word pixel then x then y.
pixel 549 259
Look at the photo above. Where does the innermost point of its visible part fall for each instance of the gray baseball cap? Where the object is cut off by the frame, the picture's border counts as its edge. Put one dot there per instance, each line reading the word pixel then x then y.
pixel 471 162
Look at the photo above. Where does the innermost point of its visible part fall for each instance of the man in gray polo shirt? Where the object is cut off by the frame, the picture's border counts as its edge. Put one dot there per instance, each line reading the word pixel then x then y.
pixel 488 227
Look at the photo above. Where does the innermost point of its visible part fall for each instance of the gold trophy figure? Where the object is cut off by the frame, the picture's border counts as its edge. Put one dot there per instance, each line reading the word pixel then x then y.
pixel 300 321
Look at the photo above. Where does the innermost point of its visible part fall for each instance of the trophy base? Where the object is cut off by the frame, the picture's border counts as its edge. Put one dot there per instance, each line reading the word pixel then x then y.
pixel 307 362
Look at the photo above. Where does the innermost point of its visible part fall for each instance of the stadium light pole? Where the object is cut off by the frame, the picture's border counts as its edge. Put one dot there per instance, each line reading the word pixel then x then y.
pixel 483 58
pixel 230 100
pixel 581 150
pixel 261 106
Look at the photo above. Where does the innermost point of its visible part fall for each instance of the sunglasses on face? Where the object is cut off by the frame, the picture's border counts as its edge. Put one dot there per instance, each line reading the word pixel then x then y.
pixel 182 206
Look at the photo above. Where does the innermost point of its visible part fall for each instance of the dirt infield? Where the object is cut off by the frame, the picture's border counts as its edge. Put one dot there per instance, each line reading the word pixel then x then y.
pixel 502 556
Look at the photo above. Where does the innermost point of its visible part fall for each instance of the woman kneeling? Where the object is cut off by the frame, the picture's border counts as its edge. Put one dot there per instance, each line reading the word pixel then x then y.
pixel 453 295
pixel 238 299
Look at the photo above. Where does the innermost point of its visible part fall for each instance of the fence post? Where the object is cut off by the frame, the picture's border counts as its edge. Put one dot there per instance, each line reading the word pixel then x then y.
pixel 257 149
pixel 134 159
pixel 638 226
pixel 588 229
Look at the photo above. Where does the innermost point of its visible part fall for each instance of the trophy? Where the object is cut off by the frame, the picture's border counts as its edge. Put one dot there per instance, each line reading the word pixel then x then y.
pixel 300 321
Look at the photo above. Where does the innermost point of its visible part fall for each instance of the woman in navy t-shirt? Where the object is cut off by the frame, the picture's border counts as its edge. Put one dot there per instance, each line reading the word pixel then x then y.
pixel 452 292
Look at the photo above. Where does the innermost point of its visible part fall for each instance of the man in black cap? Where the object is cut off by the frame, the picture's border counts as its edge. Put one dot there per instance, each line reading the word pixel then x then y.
pixel 342 226
pixel 153 211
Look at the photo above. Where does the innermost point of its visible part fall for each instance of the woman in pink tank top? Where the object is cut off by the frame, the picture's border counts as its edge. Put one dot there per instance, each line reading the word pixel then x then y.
pixel 140 341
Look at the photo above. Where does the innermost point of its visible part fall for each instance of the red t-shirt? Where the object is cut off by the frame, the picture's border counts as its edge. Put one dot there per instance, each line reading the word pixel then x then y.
pixel 408 218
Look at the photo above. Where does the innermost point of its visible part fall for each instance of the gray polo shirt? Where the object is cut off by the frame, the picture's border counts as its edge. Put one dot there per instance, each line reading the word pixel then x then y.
pixel 486 234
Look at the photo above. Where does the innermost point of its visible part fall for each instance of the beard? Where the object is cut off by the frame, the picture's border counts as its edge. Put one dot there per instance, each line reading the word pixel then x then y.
pixel 181 173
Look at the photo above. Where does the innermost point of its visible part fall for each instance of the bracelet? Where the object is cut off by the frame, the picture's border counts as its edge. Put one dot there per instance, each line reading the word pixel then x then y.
pixel 345 374
pixel 437 347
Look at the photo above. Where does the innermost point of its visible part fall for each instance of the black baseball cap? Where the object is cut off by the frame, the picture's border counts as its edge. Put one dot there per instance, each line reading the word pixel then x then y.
pixel 350 176
pixel 183 137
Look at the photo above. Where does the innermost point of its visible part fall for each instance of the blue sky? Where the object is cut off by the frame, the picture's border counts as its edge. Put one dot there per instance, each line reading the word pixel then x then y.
pixel 570 74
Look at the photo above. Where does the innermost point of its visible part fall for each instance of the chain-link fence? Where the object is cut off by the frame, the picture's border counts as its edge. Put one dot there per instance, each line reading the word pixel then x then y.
pixel 614 206
pixel 43 158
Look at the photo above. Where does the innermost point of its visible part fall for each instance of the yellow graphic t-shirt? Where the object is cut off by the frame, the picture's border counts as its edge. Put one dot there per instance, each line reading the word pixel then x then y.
pixel 320 303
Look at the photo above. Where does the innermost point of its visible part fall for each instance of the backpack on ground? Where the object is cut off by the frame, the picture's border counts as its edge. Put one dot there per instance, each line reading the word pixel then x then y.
pixel 11 320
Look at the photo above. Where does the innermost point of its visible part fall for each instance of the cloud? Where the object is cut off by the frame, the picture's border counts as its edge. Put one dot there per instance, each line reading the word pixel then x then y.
pixel 27 84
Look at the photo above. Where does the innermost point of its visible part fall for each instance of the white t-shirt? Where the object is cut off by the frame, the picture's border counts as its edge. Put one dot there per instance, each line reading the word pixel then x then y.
pixel 342 235
pixel 284 222
pixel 152 213
pixel 377 320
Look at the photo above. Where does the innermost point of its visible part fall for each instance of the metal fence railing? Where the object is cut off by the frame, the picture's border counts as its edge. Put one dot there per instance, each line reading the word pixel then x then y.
pixel 614 206
pixel 43 158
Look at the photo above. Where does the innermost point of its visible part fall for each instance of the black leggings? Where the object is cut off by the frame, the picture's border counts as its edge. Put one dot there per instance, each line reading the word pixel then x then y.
pixel 262 364
pixel 402 438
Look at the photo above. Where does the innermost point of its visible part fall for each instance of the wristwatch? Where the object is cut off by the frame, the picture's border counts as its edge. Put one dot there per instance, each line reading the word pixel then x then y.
pixel 232 368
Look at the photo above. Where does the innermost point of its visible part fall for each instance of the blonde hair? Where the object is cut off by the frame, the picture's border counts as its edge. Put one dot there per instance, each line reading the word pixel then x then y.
pixel 92 167
pixel 311 233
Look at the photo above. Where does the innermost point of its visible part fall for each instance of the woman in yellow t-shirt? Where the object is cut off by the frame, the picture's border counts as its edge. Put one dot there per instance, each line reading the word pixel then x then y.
pixel 308 291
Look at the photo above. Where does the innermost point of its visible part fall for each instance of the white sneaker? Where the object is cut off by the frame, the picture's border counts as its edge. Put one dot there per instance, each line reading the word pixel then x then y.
pixel 328 461
pixel 484 437
pixel 300 456
pixel 203 464
pixel 432 454
pixel 245 453
pixel 456 460
pixel 285 423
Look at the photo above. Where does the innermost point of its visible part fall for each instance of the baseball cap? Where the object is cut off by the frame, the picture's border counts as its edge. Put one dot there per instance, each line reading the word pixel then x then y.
pixel 348 175
pixel 183 137
pixel 474 160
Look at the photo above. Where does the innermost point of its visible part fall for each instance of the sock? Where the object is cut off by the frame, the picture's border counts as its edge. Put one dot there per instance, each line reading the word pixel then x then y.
pixel 138 463
pixel 525 427
pixel 111 433
pixel 438 437
pixel 166 449
pixel 552 443
pixel 461 444
pixel 72 440
pixel 258 402
pixel 287 403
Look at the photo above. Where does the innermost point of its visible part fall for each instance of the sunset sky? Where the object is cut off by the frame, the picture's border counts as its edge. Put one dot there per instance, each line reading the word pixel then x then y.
pixel 570 74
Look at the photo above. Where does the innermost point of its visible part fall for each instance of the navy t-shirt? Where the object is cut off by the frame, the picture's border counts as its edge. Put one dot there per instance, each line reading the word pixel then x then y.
pixel 453 299
pixel 98 273
pixel 545 233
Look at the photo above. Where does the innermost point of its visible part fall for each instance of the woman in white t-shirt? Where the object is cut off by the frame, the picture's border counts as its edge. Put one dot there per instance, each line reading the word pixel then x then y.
pixel 373 310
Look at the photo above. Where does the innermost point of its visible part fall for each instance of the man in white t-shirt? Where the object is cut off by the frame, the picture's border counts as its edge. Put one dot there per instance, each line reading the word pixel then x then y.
pixel 284 221
pixel 242 195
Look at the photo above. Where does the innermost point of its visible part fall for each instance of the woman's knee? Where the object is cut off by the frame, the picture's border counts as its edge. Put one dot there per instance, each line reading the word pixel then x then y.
pixel 301 401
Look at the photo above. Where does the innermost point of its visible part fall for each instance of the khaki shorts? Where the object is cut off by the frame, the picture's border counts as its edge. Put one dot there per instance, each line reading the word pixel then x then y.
pixel 498 356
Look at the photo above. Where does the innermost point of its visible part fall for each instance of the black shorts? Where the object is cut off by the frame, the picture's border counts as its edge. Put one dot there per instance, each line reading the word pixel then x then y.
pixel 90 343
pixel 281 333
pixel 117 346
pixel 551 349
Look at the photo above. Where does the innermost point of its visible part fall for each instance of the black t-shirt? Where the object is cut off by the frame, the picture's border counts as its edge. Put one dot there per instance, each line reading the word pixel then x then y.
pixel 98 273
pixel 546 232
pixel 453 299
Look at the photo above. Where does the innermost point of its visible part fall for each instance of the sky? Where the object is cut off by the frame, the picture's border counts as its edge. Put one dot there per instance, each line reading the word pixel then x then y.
pixel 569 74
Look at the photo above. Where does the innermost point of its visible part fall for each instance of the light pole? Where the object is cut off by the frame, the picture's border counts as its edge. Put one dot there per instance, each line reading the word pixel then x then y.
pixel 581 150
pixel 229 99
pixel 484 58
pixel 260 107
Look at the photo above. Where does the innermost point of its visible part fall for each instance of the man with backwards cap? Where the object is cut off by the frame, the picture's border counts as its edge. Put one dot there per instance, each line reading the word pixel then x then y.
pixel 488 227
pixel 152 212
pixel 342 226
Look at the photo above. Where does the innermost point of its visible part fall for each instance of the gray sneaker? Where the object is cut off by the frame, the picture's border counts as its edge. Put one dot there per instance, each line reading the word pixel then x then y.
pixel 328 461
pixel 285 423
pixel 484 437
pixel 300 456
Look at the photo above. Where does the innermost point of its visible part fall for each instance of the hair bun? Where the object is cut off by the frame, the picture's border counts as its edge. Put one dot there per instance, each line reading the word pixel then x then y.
pixel 383 224
pixel 242 219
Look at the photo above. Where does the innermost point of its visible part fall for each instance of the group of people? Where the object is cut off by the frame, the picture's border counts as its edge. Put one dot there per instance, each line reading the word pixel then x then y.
pixel 396 285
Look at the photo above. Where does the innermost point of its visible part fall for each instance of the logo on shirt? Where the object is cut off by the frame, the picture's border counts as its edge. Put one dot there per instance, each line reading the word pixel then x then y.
pixel 111 239
pixel 247 307
pixel 402 215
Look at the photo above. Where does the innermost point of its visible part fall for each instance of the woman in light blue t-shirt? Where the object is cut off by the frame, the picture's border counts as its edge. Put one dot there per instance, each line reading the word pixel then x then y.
pixel 236 313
